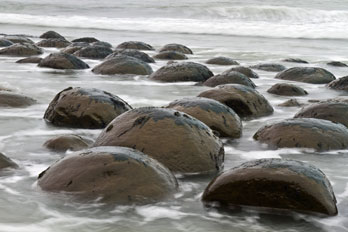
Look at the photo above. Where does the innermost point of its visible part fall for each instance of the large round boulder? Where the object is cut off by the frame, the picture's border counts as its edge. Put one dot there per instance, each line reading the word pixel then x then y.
pixel 116 174
pixel 222 60
pixel 244 70
pixel 245 101
pixel 311 75
pixel 273 184
pixel 232 77
pixel 214 114
pixel 84 108
pixel 63 143
pixel 286 89
pixel 53 43
pixel 6 162
pixel 51 35
pixel 137 45
pixel 185 71
pixel 21 50
pixel 8 99
pixel 86 40
pixel 333 111
pixel 133 53
pixel 62 61
pixel 269 67
pixel 122 64
pixel 177 48
pixel 180 142
pixel 93 52
pixel 170 55
pixel 317 134
pixel 5 42
pixel 339 84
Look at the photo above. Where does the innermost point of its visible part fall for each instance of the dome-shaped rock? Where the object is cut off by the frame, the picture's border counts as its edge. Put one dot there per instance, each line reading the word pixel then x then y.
pixel 221 60
pixel 269 67
pixel 180 142
pixel 295 60
pixel 102 43
pixel 117 174
pixel 337 64
pixel 6 162
pixel 30 60
pixel 177 48
pixel 51 35
pixel 274 184
pixel 63 143
pixel 313 133
pixel 8 99
pixel 62 61
pixel 84 108
pixel 214 114
pixel 21 50
pixel 244 70
pixel 286 89
pixel 339 84
pixel 53 43
pixel 86 40
pixel 93 52
pixel 245 101
pixel 18 39
pixel 232 77
pixel 311 75
pixel 133 53
pixel 137 45
pixel 170 55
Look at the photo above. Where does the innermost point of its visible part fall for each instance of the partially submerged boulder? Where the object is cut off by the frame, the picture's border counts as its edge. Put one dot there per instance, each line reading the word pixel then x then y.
pixel 295 60
pixel 269 67
pixel 6 162
pixel 232 77
pixel 244 70
pixel 137 45
pixel 180 142
pixel 84 108
pixel 214 114
pixel 177 48
pixel 116 174
pixel 273 184
pixel 337 64
pixel 333 111
pixel 122 64
pixel 185 71
pixel 222 60
pixel 93 52
pixel 19 39
pixel 5 42
pixel 318 134
pixel 245 101
pixel 30 60
pixel 291 103
pixel 133 53
pixel 339 84
pixel 63 143
pixel 86 40
pixel 62 61
pixel 51 35
pixel 311 75
pixel 53 43
pixel 102 43
pixel 170 55
pixel 286 89
pixel 8 99
pixel 21 50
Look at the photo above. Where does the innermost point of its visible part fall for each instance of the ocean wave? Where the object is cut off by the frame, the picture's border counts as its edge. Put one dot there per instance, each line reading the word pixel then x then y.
pixel 334 28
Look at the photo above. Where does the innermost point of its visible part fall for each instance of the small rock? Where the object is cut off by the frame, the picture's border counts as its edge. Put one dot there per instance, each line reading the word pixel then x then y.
pixel 295 60
pixel 6 162
pixel 170 55
pixel 137 45
pixel 133 53
pixel 8 99
pixel 291 103
pixel 5 43
pixel 62 61
pixel 339 84
pixel 93 52
pixel 244 70
pixel 269 67
pixel 337 64
pixel 229 78
pixel 286 89
pixel 53 43
pixel 51 35
pixel 18 39
pixel 21 50
pixel 63 143
pixel 102 43
pixel 221 60
pixel 177 48
pixel 86 40
pixel 30 60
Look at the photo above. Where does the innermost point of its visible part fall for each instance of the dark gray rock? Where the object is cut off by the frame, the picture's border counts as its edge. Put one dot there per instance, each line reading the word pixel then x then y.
pixel 295 60
pixel 86 40
pixel 5 43
pixel 8 99
pixel 337 64
pixel 93 52
pixel 339 84
pixel 221 60
pixel 53 43
pixel 311 75
pixel 137 45
pixel 229 78
pixel 286 89
pixel 170 55
pixel 51 35
pixel 18 39
pixel 62 61
pixel 30 60
pixel 244 70
pixel 102 43
pixel 177 48
pixel 21 50
pixel 133 53
pixel 269 67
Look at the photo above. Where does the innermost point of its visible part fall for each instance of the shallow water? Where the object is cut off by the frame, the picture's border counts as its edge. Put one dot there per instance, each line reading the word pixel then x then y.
pixel 248 31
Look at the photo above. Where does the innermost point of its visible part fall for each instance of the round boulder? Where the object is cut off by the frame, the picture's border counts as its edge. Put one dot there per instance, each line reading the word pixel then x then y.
pixel 6 162
pixel 232 77
pixel 63 143
pixel 30 60
pixel 116 174
pixel 291 103
pixel 93 52
pixel 21 50
pixel 137 45
pixel 5 43
pixel 244 70
pixel 133 53
pixel 8 99
pixel 185 71
pixel 311 75
pixel 62 61
pixel 177 48
pixel 122 64
pixel 337 64
pixel 51 35
pixel 217 116
pixel 295 60
pixel 53 43
pixel 18 39
pixel 273 184
pixel 339 84
pixel 84 108
pixel 286 89
pixel 245 101
pixel 221 60
pixel 170 55
pixel 102 43
pixel 180 142
pixel 269 67
pixel 86 40
pixel 318 134
pixel 333 111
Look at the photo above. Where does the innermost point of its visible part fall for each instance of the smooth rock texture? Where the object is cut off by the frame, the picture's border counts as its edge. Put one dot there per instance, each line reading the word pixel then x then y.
pixel 102 43
pixel 8 99
pixel 86 40
pixel 286 89
pixel 221 60
pixel 318 134
pixel 62 61
pixel 291 103
pixel 53 43
pixel 311 75
pixel 133 53
pixel 21 50
pixel 6 162
pixel 245 101
pixel 170 55
pixel 244 70
pixel 31 60
pixel 63 143
pixel 177 48
pixel 273 184
pixel 180 142
pixel 117 174
pixel 295 60
pixel 232 77
pixel 84 108
pixel 339 84
pixel 137 45
pixel 122 64
pixel 185 71
pixel 51 35
pixel 93 52
pixel 214 114
pixel 337 64
pixel 269 67
pixel 333 111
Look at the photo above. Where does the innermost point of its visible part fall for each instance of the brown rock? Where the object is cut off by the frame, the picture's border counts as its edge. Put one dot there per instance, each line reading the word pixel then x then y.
pixel 51 35
pixel 307 75
pixel 8 99
pixel 63 143
pixel 6 162
pixel 244 70
pixel 21 50
pixel 229 78
pixel 286 89
pixel 170 55
pixel 62 61
pixel 291 103
pixel 53 43
pixel 177 48
pixel 221 60
pixel 32 60
pixel 339 84
pixel 137 45
pixel 269 67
